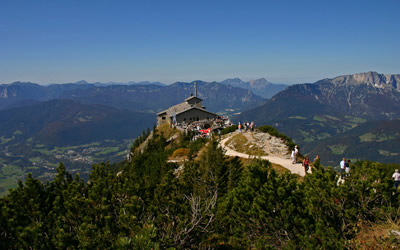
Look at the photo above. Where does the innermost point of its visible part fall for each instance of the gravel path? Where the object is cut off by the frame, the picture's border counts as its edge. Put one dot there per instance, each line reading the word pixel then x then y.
pixel 286 163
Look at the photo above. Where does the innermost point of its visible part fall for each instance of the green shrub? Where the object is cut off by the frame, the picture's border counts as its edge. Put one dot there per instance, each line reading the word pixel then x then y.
pixel 180 152
pixel 229 130
pixel 195 147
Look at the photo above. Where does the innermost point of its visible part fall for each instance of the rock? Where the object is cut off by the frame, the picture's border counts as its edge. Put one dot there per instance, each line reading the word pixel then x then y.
pixel 397 233
pixel 271 145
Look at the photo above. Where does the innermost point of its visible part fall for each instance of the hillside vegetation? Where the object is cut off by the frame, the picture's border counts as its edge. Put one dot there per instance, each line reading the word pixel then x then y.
pixel 215 202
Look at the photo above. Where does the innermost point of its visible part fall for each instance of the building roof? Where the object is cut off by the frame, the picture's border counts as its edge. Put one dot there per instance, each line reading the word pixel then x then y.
pixel 178 108
pixel 194 98
pixel 191 103
pixel 184 107
pixel 197 109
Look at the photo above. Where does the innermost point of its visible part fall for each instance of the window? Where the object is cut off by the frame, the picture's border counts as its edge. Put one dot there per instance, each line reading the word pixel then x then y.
pixel 163 117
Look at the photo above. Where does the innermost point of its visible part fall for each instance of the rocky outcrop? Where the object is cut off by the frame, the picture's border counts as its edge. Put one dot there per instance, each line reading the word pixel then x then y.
pixel 369 78
pixel 272 145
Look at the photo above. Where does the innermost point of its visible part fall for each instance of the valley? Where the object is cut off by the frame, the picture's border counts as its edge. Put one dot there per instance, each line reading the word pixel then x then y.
pixel 20 158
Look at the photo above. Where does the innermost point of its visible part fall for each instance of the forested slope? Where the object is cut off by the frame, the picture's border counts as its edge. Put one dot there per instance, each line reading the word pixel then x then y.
pixel 214 202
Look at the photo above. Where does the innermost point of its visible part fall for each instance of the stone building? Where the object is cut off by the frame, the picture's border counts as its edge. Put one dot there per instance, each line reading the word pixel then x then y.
pixel 189 111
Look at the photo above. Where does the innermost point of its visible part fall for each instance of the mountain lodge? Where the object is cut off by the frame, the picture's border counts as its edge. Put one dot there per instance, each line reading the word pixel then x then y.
pixel 189 111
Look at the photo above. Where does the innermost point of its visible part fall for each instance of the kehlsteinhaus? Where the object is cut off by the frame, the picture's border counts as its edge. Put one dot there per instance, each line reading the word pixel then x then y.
pixel 189 111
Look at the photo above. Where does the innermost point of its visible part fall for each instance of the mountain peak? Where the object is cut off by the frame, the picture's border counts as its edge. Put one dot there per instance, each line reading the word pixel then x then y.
pixel 233 81
pixel 259 83
pixel 371 78
pixel 81 82
pixel 23 83
pixel 261 87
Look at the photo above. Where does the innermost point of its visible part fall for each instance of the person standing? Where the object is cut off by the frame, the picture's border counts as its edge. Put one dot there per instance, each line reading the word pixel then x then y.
pixel 306 164
pixel 296 153
pixel 396 177
pixel 240 127
pixel 347 167
pixel 293 157
pixel 342 167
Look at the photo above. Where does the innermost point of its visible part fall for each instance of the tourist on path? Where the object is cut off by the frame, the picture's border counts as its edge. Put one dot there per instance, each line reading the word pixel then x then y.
pixel 293 157
pixel 342 167
pixel 306 164
pixel 296 153
pixel 347 167
pixel 396 177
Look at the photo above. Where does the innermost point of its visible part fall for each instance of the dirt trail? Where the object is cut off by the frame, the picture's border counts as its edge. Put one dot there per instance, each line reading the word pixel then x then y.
pixel 280 160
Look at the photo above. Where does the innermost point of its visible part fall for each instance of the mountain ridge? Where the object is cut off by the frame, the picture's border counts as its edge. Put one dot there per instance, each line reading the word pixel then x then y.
pixel 153 98
pixel 311 112
pixel 369 78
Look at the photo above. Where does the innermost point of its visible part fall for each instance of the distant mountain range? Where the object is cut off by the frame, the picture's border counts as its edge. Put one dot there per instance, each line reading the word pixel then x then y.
pixel 138 97
pixel 259 87
pixel 124 83
pixel 330 107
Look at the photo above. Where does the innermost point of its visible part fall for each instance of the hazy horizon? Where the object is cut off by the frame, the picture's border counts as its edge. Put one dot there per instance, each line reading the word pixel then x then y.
pixel 188 81
pixel 132 81
pixel 285 42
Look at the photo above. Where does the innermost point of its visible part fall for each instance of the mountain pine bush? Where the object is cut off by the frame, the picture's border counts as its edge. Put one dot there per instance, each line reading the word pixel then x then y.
pixel 216 202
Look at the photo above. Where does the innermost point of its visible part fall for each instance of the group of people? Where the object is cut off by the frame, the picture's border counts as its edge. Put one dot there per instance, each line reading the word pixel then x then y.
pixel 307 164
pixel 344 167
pixel 345 171
pixel 306 161
pixel 203 128
pixel 246 126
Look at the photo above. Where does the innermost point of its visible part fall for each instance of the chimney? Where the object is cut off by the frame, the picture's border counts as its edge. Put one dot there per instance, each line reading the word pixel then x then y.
pixel 195 89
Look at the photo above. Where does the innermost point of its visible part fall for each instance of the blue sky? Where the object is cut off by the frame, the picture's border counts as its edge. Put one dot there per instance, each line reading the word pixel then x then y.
pixel 283 41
